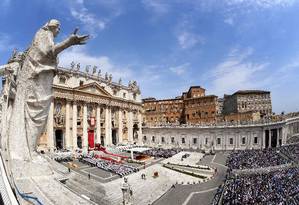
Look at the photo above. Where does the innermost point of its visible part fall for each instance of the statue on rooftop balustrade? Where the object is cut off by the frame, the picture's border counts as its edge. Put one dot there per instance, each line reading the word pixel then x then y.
pixel 94 70
pixel 34 89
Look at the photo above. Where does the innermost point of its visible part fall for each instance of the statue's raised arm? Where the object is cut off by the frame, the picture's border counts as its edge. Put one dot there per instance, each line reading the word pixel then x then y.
pixel 73 39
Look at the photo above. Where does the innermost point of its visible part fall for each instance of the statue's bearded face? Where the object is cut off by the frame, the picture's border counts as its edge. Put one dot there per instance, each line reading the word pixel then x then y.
pixel 55 30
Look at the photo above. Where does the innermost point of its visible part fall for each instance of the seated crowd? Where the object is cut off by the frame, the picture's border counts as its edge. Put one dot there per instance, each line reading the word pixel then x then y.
pixel 293 140
pixel 277 187
pixel 250 159
pixel 161 153
pixel 291 151
pixel 119 169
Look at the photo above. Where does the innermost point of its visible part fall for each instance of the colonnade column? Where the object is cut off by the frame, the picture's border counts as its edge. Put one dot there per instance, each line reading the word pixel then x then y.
pixel 67 126
pixel 130 126
pixel 120 126
pixel 264 139
pixel 139 127
pixel 108 133
pixel 85 136
pixel 50 128
pixel 98 125
pixel 74 126
pixel 277 137
pixel 270 138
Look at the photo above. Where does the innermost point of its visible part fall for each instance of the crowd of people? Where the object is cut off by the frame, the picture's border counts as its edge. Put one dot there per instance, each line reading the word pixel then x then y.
pixel 117 168
pixel 251 159
pixel 291 151
pixel 161 153
pixel 278 187
pixel 292 140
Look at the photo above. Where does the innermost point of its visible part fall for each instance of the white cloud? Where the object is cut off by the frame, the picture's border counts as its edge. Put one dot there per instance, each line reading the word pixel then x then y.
pixel 180 69
pixel 89 20
pixel 157 6
pixel 93 22
pixel 236 72
pixel 80 55
pixel 261 3
pixel 188 39
pixel 186 33
pixel 229 21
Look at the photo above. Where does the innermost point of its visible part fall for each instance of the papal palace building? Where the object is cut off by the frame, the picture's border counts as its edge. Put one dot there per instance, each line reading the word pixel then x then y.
pixel 194 107
pixel 89 108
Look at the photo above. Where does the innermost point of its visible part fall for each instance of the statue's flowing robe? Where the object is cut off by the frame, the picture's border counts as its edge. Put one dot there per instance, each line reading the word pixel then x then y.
pixel 33 96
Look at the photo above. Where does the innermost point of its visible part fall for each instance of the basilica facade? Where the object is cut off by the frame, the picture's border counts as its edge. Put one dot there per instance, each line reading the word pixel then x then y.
pixel 89 109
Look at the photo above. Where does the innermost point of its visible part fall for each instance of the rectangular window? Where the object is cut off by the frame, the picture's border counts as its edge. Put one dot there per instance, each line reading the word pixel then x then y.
pixel 255 140
pixel 194 140
pixel 231 141
pixel 206 140
pixel 183 140
pixel 218 141
pixel 144 138
pixel 172 140
pixel 153 138
pixel 162 139
pixel 243 140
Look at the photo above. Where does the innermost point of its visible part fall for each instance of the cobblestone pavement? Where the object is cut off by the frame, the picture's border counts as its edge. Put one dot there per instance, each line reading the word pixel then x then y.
pixel 200 193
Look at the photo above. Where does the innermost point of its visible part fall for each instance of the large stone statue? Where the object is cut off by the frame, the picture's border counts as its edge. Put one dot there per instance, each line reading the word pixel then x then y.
pixel 127 192
pixel 34 89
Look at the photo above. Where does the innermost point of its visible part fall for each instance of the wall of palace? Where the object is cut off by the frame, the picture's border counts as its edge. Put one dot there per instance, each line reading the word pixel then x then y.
pixel 253 136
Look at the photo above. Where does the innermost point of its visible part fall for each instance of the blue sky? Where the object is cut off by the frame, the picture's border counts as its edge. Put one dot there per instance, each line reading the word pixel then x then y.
pixel 169 45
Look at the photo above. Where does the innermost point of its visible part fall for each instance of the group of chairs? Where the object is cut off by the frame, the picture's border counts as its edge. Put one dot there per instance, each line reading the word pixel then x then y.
pixel 62 156
pixel 119 169
pixel 161 153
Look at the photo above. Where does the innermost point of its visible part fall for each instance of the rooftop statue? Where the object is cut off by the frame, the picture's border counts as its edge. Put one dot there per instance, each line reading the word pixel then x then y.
pixel 34 89
pixel 87 69
pixel 94 70
pixel 72 65
pixel 110 78
pixel 99 73
pixel 78 67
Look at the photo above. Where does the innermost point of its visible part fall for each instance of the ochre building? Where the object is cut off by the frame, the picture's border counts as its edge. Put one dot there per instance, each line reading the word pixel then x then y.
pixel 194 107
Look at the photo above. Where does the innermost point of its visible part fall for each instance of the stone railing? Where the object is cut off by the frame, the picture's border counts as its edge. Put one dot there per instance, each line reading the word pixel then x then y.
pixel 222 124
pixel 7 194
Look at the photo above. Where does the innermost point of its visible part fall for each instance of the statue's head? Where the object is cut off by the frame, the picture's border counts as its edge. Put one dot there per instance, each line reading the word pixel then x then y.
pixel 54 26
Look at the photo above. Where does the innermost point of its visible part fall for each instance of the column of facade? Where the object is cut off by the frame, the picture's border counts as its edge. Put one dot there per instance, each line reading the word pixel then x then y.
pixel 140 127
pixel 277 137
pixel 130 126
pixel 108 140
pixel 98 125
pixel 67 126
pixel 85 136
pixel 74 126
pixel 50 128
pixel 264 139
pixel 270 137
pixel 120 125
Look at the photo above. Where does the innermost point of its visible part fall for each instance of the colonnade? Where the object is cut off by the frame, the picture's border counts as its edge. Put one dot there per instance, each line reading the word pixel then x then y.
pixel 74 128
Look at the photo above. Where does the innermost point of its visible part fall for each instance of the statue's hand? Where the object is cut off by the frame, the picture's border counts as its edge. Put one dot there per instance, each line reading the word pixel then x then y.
pixel 78 40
